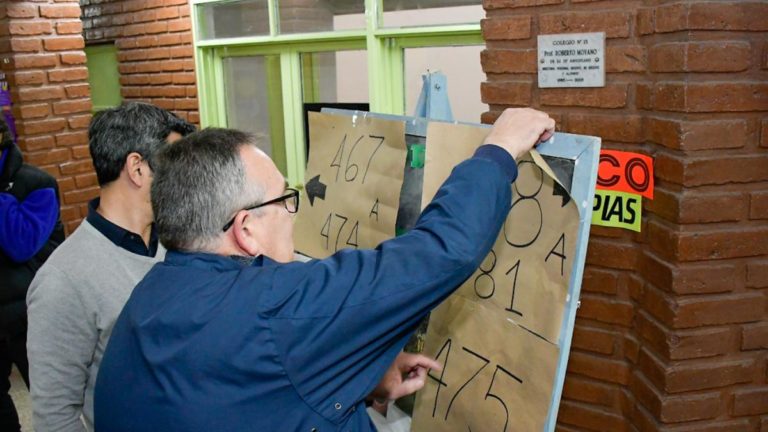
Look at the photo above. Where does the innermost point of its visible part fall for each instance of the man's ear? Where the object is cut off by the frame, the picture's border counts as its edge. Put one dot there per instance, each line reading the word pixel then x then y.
pixel 136 171
pixel 244 234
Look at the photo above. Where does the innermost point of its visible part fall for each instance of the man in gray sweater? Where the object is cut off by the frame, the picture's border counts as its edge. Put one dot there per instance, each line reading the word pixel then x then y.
pixel 75 298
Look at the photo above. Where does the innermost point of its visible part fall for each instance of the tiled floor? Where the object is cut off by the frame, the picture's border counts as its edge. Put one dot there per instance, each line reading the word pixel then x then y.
pixel 20 396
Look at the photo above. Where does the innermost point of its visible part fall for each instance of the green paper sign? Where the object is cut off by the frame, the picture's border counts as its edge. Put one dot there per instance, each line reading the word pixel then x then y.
pixel 617 209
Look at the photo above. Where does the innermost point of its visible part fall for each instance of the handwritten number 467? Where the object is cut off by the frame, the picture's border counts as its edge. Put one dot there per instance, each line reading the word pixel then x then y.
pixel 352 170
pixel 446 349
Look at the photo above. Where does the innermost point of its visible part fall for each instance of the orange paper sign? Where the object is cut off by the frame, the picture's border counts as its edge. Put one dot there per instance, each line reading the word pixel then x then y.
pixel 625 172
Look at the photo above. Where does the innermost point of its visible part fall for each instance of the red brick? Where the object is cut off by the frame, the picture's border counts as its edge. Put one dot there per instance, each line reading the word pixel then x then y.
pixel 720 56
pixel 605 310
pixel 699 208
pixel 28 111
pixel 614 23
pixel 168 39
pixel 711 373
pixel 757 274
pixel 77 90
pixel 34 127
pixel 698 97
pixel 72 139
pixel 167 13
pixel 79 122
pixel 590 418
pixel 622 128
pixel 31 144
pixel 21 10
pixel 184 78
pixel 48 157
pixel 758 205
pixel 728 16
pixel 73 58
pixel 185 104
pixel 594 340
pixel 625 58
pixel 182 51
pixel 712 170
pixel 86 180
pixel 76 167
pixel 72 27
pixel 40 93
pixel 72 106
pixel 162 27
pixel 755 336
pixel 692 278
pixel 64 43
pixel 28 77
pixel 698 135
pixel 60 11
pixel 506 93
pixel 601 368
pixel 750 401
pixel 178 25
pixel 599 281
pixel 764 134
pixel 610 96
pixel 82 195
pixel 26 45
pixel 35 61
pixel 29 28
pixel 675 409
pixel 496 4
pixel 611 254
pixel 722 244
pixel 508 61
pixel 586 390
pixel 719 309
pixel 71 74
pixel 68 213
pixel 685 344
pixel 506 28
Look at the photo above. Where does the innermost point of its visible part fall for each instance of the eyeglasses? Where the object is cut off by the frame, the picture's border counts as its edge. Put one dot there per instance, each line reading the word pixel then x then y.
pixel 290 201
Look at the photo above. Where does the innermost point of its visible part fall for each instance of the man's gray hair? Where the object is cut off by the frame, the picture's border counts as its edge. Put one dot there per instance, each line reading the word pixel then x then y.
pixel 199 184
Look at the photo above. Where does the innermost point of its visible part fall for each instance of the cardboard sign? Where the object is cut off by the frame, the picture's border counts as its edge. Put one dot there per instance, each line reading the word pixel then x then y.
pixel 617 209
pixel 353 182
pixel 625 172
pixel 503 324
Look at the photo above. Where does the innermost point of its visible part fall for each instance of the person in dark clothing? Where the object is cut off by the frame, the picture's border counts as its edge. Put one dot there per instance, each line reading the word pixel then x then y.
pixel 30 229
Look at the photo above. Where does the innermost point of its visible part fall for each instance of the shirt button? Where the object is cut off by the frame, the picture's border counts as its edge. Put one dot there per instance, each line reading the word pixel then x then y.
pixel 337 406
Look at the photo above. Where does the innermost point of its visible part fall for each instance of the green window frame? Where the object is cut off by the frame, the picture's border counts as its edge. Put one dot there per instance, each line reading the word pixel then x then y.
pixel 385 52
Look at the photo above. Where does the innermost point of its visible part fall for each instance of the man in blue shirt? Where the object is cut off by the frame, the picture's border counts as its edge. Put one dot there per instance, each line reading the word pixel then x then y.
pixel 228 334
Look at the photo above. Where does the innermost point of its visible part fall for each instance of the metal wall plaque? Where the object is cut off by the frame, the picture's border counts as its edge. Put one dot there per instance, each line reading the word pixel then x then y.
pixel 572 60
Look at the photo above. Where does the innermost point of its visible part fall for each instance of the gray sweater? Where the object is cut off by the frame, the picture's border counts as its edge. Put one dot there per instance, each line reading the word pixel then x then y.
pixel 73 303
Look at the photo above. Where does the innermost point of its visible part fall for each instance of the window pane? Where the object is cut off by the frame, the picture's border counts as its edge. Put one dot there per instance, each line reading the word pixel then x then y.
pixel 234 19
pixel 335 76
pixel 461 66
pixel 254 101
pixel 307 16
pixel 411 13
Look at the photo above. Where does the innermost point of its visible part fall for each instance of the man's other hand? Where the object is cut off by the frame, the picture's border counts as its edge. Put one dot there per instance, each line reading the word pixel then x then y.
pixel 405 376
pixel 517 130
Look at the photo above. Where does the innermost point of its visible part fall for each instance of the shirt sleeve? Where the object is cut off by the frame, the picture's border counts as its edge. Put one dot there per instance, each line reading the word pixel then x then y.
pixel 61 341
pixel 340 322
pixel 25 226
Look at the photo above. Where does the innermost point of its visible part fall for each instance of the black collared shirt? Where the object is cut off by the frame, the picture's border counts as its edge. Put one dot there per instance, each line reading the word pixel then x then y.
pixel 121 237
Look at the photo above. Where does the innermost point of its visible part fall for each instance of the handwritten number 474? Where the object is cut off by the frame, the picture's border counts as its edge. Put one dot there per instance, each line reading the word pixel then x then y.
pixel 352 170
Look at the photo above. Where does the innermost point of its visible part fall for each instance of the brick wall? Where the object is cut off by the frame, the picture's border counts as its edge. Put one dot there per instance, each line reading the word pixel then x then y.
pixel 672 333
pixel 155 54
pixel 41 52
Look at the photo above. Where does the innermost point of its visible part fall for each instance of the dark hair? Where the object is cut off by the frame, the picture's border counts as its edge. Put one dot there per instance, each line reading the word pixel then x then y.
pixel 200 182
pixel 6 137
pixel 137 127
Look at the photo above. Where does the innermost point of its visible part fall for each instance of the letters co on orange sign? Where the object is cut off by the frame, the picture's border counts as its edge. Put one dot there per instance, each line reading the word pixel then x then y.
pixel 623 178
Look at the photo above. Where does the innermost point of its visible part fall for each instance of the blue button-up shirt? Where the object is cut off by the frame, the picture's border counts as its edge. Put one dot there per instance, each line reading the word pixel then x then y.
pixel 210 343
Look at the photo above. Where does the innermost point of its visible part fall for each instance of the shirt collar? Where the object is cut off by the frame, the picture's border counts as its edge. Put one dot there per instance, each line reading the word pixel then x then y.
pixel 120 236
pixel 217 262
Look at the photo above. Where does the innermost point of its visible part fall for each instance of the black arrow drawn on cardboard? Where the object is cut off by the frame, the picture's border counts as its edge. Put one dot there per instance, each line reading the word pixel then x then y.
pixel 315 188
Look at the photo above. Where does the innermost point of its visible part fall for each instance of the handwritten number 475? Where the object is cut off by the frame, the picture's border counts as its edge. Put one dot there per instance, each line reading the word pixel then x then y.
pixel 352 170
pixel 446 349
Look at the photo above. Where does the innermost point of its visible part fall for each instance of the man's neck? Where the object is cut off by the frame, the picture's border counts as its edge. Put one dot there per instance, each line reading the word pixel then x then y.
pixel 126 210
